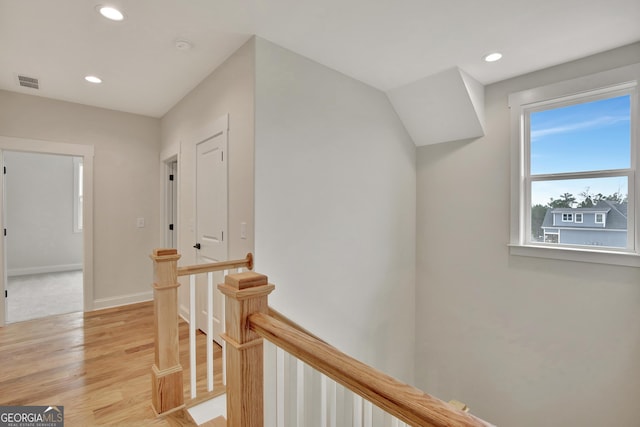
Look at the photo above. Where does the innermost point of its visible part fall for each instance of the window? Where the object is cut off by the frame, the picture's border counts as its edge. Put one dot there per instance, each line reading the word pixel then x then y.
pixel 578 156
pixel 574 153
pixel 551 237
pixel 78 171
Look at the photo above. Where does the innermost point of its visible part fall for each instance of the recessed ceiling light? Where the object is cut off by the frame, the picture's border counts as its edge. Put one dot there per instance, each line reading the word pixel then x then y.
pixel 93 79
pixel 492 57
pixel 183 45
pixel 110 13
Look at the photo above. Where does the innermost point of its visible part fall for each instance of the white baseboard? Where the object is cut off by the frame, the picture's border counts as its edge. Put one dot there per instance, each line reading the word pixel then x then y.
pixel 101 303
pixel 43 269
pixel 183 311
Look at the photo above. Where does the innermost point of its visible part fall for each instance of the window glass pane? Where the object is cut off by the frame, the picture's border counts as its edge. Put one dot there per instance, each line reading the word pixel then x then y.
pixel 78 194
pixel 80 218
pixel 582 137
pixel 80 180
pixel 590 212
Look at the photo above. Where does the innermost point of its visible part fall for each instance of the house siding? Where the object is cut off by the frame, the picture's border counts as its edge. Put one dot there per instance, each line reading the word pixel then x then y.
pixel 617 239
pixel 588 220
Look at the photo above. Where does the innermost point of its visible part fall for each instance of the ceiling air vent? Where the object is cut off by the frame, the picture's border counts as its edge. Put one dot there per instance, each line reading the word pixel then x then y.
pixel 30 82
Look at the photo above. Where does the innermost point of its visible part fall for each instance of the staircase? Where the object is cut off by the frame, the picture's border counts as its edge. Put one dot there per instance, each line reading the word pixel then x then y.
pixel 299 366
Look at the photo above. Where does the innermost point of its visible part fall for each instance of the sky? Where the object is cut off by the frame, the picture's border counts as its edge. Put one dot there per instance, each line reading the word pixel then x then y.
pixel 579 138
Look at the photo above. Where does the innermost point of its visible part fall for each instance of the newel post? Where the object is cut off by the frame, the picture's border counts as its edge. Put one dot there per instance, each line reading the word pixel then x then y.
pixel 167 392
pixel 247 293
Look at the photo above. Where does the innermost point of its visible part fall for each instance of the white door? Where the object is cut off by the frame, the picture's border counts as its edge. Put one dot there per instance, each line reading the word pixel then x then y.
pixel 211 220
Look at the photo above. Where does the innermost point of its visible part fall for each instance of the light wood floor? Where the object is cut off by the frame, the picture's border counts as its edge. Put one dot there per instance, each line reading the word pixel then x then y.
pixel 97 365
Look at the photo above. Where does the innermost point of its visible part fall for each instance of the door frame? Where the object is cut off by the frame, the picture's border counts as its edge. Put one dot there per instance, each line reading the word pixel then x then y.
pixel 49 147
pixel 170 207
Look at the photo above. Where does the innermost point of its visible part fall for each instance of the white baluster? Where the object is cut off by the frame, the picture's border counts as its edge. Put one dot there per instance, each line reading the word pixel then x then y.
pixel 210 331
pixel 357 410
pixel 328 390
pixel 270 384
pixel 323 401
pixel 224 330
pixel 280 387
pixel 192 333
pixel 299 392
pixel 367 414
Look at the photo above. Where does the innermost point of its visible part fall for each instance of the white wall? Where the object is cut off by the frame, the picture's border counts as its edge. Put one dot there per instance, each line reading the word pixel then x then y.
pixel 126 184
pixel 523 341
pixel 335 208
pixel 39 206
pixel 227 90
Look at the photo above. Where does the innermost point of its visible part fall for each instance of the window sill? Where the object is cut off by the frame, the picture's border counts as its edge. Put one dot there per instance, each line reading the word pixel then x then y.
pixel 576 254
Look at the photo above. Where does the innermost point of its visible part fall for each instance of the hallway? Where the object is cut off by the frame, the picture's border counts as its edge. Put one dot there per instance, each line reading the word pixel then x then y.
pixel 97 365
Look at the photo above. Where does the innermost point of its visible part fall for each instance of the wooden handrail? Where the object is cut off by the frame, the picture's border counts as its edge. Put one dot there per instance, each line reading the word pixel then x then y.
pixel 403 401
pixel 217 266
pixel 284 319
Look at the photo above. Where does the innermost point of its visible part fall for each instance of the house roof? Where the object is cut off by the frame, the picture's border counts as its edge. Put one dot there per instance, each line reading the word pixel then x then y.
pixel 616 215
pixel 598 208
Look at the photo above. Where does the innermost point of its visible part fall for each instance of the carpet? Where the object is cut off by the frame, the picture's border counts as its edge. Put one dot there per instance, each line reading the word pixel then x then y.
pixel 41 295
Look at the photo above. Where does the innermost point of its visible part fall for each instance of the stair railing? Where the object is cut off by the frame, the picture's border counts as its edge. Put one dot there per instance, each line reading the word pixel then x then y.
pixel 167 372
pixel 248 322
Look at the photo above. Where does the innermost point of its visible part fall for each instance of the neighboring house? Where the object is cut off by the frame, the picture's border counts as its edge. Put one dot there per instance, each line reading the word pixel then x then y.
pixel 604 224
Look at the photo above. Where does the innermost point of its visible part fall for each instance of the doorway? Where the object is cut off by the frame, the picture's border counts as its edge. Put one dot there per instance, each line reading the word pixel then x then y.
pixel 43 242
pixel 68 151
pixel 171 203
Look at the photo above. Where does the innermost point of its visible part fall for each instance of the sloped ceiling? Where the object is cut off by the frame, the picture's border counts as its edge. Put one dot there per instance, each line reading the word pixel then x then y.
pixel 447 106
pixel 388 45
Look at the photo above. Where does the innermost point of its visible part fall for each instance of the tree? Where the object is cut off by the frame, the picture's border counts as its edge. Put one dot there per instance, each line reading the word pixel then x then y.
pixel 566 200
pixel 590 200
pixel 616 197
pixel 538 213
pixel 587 199
pixel 587 203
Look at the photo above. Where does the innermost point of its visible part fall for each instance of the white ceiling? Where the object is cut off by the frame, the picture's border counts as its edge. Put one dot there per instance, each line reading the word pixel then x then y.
pixel 385 43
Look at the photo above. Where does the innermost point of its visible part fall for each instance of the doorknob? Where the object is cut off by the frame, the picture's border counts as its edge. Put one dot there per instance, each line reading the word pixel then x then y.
pixel 197 246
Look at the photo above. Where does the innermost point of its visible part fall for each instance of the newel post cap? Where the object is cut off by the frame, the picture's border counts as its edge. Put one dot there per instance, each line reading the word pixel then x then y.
pixel 165 262
pixel 248 284
pixel 248 279
pixel 165 254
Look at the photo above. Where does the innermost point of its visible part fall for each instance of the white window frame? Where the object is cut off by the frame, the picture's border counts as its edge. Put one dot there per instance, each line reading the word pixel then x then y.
pixel 620 81
pixel 567 217
pixel 595 219
pixel 576 218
